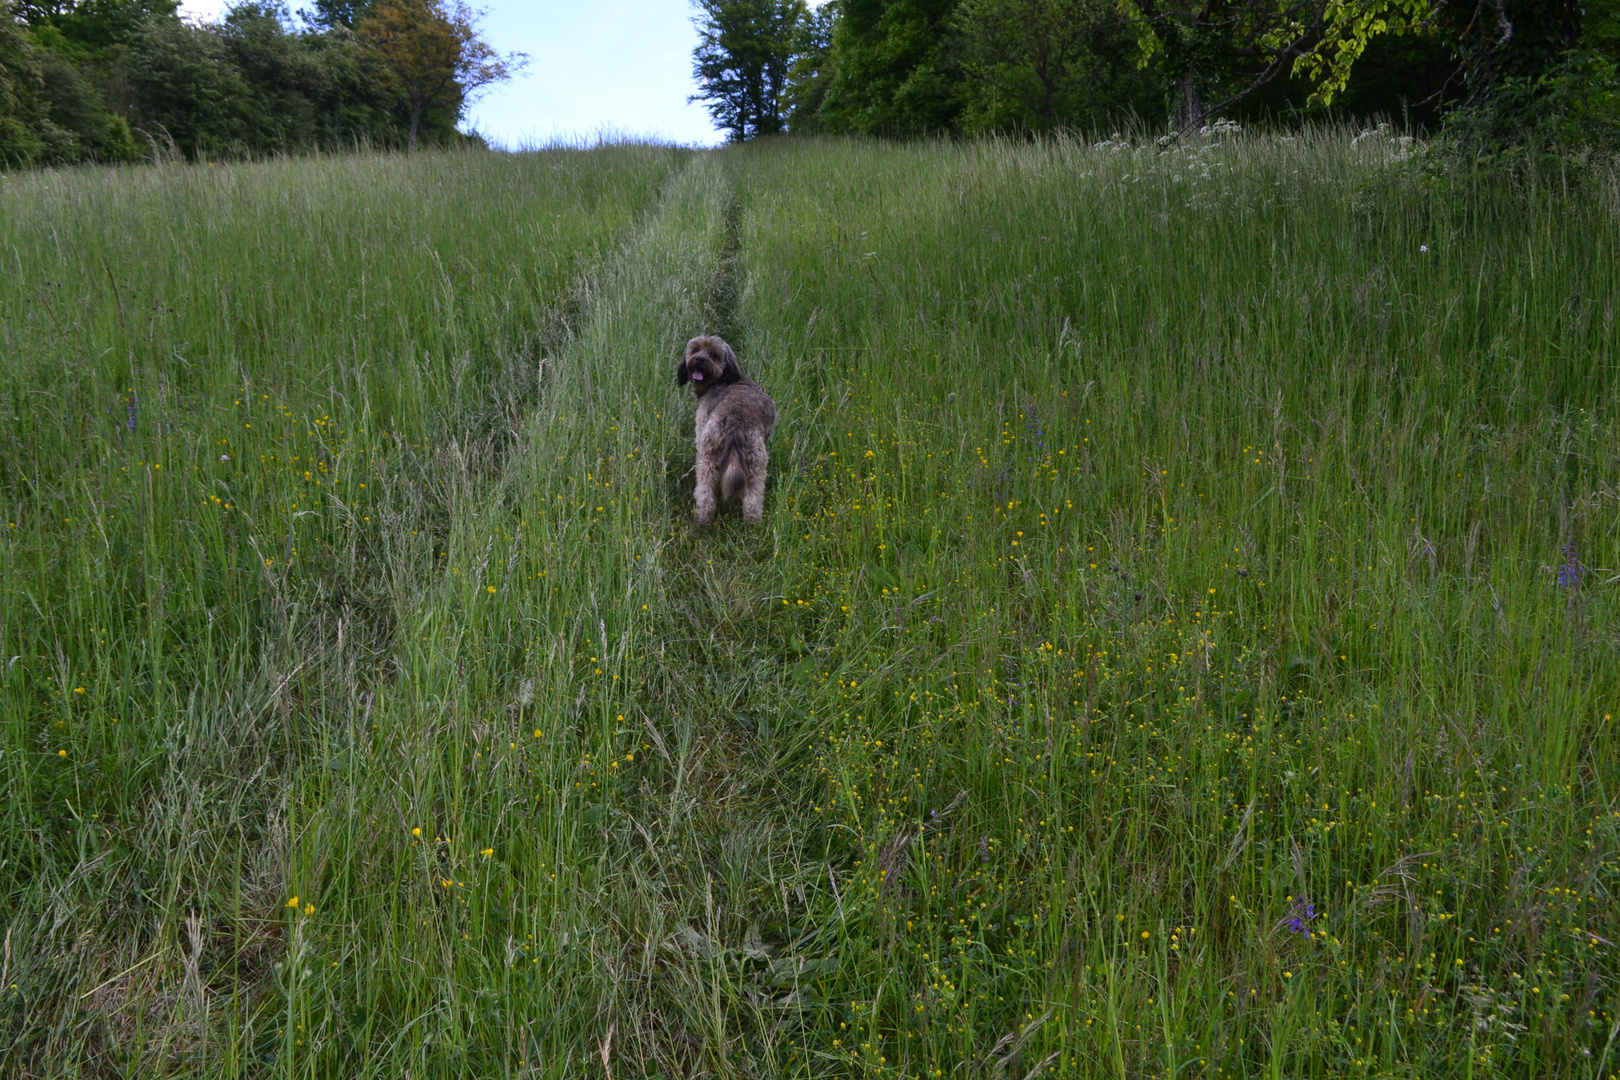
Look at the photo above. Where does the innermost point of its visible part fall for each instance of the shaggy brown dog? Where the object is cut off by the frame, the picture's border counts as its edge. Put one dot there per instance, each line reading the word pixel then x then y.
pixel 734 418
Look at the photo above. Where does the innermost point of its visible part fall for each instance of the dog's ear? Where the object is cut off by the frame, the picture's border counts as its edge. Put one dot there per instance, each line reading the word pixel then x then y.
pixel 681 375
pixel 732 373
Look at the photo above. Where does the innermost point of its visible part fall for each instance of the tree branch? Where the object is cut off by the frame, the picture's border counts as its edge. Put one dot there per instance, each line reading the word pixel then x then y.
pixel 1290 52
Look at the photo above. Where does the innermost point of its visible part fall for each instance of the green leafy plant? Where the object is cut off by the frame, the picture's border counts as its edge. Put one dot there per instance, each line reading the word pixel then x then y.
pixel 745 51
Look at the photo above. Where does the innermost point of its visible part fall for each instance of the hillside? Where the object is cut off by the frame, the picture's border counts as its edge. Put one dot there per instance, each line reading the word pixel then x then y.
pixel 1182 640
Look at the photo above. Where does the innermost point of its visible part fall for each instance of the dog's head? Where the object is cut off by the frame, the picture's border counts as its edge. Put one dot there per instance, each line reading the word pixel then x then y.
pixel 707 362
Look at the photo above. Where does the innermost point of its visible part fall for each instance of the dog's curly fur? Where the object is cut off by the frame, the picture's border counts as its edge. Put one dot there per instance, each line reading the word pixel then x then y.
pixel 734 418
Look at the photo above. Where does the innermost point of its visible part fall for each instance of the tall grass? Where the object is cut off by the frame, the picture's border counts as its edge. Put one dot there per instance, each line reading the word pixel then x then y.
pixel 1180 642
pixel 1175 543
pixel 245 407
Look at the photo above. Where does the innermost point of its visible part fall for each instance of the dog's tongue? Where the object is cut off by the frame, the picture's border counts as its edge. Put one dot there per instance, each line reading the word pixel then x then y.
pixel 697 376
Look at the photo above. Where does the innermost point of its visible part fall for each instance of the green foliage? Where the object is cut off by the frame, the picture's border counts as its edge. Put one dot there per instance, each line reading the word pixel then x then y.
pixel 912 67
pixel 811 71
pixel 287 80
pixel 1345 32
pixel 50 113
pixel 743 60
pixel 1600 29
pixel 59 101
pixel 334 13
pixel 1408 79
pixel 91 28
pixel 309 89
pixel 21 110
pixel 1586 93
pixel 1218 53
pixel 1548 90
pixel 122 80
pixel 1036 65
pixel 434 55
pixel 890 66
pixel 1510 39
pixel 186 89
pixel 1042 65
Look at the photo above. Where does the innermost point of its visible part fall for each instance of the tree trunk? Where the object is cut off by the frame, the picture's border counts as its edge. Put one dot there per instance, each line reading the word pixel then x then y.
pixel 416 120
pixel 1189 112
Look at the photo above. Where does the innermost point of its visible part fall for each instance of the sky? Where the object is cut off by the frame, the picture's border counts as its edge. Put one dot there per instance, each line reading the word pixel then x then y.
pixel 621 68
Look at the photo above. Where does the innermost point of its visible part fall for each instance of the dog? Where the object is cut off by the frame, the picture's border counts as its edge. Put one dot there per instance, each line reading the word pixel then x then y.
pixel 734 418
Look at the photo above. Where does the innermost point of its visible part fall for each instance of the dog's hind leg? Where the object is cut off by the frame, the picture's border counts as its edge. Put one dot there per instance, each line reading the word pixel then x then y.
pixel 704 493
pixel 754 492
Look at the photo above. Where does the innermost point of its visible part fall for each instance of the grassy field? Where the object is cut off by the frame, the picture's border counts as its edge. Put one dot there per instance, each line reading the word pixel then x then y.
pixel 1182 641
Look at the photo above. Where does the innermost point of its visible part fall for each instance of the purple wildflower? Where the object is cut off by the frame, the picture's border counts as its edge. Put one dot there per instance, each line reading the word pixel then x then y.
pixel 1570 574
pixel 1298 922
pixel 1035 431
pixel 131 422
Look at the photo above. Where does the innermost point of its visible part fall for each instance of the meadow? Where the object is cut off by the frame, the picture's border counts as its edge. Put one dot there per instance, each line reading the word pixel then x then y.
pixel 1182 640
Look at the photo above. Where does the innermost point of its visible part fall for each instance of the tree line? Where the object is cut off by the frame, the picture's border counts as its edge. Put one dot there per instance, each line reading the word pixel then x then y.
pixel 1500 69
pixel 129 80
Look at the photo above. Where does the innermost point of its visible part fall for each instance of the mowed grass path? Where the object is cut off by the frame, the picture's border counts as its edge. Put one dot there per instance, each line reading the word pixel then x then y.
pixel 1181 642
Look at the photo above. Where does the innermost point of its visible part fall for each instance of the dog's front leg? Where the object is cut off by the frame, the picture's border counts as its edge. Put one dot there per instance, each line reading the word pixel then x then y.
pixel 705 490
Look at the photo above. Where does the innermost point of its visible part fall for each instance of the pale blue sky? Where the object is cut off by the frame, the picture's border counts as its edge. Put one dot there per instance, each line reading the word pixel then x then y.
pixel 616 67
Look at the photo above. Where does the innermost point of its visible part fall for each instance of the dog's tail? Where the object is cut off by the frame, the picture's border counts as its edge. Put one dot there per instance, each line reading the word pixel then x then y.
pixel 732 477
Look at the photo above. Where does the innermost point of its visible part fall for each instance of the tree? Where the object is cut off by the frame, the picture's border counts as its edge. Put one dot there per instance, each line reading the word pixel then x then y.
pixel 91 27
pixel 310 87
pixel 1036 65
pixel 75 73
pixel 1228 49
pixel 330 14
pixel 22 111
pixel 359 100
pixel 1540 75
pixel 891 69
pixel 285 81
pixel 1509 39
pixel 433 49
pixel 1410 77
pixel 744 55
pixel 811 71
pixel 1029 49
pixel 184 85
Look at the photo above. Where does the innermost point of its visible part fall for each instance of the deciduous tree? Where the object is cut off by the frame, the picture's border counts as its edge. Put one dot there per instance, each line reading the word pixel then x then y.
pixel 91 27
pixel 1037 65
pixel 185 88
pixel 744 55
pixel 433 49
pixel 811 72
pixel 334 13
pixel 891 69
pixel 21 85
pixel 1217 52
